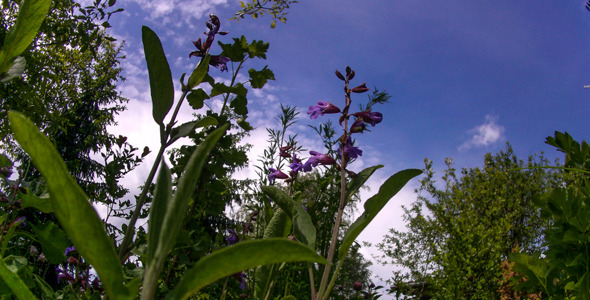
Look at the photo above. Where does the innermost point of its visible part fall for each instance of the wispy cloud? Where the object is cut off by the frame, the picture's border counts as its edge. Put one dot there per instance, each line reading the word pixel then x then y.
pixel 168 11
pixel 485 134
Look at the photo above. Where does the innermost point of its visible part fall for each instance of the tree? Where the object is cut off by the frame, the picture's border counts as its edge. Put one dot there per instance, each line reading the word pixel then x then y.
pixel 68 89
pixel 459 234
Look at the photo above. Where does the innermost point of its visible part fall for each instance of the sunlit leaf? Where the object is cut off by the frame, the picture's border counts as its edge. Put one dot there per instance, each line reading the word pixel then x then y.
pixel 72 208
pixel 239 257
pixel 30 17
pixel 199 72
pixel 305 232
pixel 374 205
pixel 162 195
pixel 15 283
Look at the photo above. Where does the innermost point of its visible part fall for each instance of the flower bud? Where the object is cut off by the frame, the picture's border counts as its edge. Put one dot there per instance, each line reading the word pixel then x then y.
pixel 351 75
pixel 339 75
pixel 361 88
pixel 357 286
pixel 348 71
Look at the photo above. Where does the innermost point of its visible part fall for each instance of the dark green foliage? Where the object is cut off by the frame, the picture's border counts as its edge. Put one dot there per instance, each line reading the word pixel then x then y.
pixel 563 269
pixel 459 234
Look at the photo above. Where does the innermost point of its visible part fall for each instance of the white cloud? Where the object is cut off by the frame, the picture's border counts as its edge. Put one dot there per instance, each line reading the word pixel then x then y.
pixel 484 135
pixel 166 11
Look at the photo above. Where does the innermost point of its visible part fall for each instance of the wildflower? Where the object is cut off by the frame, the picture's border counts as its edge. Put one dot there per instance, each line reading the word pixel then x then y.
pixel 241 278
pixel 296 164
pixel 361 88
pixel 283 151
pixel 317 159
pixel 322 108
pixel 69 249
pixel 233 237
pixel 219 62
pixel 357 286
pixel 276 174
pixel 358 126
pixel 350 152
pixel 61 274
pixel 216 61
pixel 367 116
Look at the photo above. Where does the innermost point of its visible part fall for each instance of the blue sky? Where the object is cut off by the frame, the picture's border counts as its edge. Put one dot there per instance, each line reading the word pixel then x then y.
pixel 465 76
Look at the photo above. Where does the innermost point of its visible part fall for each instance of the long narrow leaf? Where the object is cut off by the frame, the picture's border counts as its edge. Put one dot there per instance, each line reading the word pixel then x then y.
pixel 18 287
pixel 360 180
pixel 161 86
pixel 30 17
pixel 305 232
pixel 374 205
pixel 239 257
pixel 71 206
pixel 186 186
pixel 162 195
pixel 199 72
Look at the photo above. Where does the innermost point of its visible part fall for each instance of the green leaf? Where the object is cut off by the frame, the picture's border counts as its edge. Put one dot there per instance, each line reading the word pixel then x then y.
pixel 48 292
pixel 15 70
pixel 305 232
pixel 53 240
pixel 199 72
pixel 189 127
pixel 362 177
pixel 162 195
pixel 72 208
pixel 259 78
pixel 239 257
pixel 4 161
pixel 374 205
pixel 15 283
pixel 244 124
pixel 240 105
pixel 236 52
pixel 258 49
pixel 30 17
pixel 196 98
pixel 41 203
pixel 172 223
pixel 161 86
pixel 221 88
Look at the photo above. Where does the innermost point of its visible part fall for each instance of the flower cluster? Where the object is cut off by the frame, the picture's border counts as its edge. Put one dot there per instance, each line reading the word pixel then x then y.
pixel 297 165
pixel 217 61
pixel 75 271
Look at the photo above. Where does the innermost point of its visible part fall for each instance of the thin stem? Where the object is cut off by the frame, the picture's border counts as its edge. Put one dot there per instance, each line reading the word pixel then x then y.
pixel 130 232
pixel 336 228
pixel 233 80
pixel 311 280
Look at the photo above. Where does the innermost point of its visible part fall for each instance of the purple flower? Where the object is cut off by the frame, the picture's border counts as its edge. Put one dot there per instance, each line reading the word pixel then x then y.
pixel 322 108
pixel 69 249
pixel 61 274
pixel 367 116
pixel 358 126
pixel 241 278
pixel 219 62
pixel 233 237
pixel 317 159
pixel 296 164
pixel 276 174
pixel 350 152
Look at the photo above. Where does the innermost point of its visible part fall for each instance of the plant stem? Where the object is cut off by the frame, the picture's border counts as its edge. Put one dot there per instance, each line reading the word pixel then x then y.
pixel 130 232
